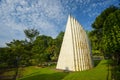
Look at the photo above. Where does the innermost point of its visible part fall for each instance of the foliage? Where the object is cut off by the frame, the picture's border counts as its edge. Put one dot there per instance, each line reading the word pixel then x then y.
pixel 94 43
pixel 111 40
pixel 16 52
pixel 46 48
pixel 42 49
pixel 96 35
pixel 57 44
pixel 99 21
pixel 105 37
pixel 17 55
pixel 39 49
pixel 31 34
pixel 111 36
pixel 3 57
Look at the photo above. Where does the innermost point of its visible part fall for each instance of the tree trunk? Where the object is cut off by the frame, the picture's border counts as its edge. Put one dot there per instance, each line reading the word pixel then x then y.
pixel 16 74
pixel 16 69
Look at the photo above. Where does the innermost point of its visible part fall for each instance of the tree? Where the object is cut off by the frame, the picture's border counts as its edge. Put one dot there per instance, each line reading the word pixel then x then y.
pixel 58 43
pixel 3 58
pixel 111 36
pixel 17 55
pixel 31 34
pixel 46 49
pixel 39 49
pixel 94 43
pixel 111 40
pixel 99 21
pixel 97 33
pixel 107 36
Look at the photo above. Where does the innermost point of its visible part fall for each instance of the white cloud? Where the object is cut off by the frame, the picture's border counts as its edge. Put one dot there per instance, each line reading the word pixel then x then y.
pixel 48 16
pixel 10 31
pixel 17 15
pixel 94 7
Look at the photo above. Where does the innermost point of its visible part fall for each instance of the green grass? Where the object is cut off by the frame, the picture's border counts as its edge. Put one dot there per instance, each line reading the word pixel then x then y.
pixel 35 73
pixel 97 73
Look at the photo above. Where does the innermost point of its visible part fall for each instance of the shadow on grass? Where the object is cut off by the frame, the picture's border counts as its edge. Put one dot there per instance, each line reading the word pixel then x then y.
pixel 96 62
pixel 53 76
pixel 6 73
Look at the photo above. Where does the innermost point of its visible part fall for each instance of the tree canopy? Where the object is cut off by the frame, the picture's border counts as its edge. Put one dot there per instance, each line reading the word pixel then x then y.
pixel 96 35
pixel 105 37
pixel 31 34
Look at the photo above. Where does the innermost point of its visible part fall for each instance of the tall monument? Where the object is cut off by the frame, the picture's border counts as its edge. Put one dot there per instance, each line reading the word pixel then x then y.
pixel 75 53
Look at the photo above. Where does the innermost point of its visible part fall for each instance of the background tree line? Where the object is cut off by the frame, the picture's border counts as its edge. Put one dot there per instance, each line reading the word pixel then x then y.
pixel 105 37
pixel 35 50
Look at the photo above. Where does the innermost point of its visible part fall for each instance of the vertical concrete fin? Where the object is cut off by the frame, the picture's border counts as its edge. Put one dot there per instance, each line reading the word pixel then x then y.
pixel 75 51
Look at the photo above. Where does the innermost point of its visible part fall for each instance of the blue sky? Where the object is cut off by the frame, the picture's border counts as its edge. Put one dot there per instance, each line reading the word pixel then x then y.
pixel 48 16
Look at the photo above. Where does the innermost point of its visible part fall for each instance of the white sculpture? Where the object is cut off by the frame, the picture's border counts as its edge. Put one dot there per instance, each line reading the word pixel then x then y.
pixel 75 54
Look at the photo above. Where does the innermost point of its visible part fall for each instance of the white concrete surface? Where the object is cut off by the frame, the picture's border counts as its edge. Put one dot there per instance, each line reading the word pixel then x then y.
pixel 75 52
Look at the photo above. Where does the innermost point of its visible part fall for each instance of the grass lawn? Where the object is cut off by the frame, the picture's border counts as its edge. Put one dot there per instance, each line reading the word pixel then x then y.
pixel 35 73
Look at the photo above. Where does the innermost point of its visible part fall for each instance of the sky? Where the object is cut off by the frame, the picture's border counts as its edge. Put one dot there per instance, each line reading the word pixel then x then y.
pixel 49 17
